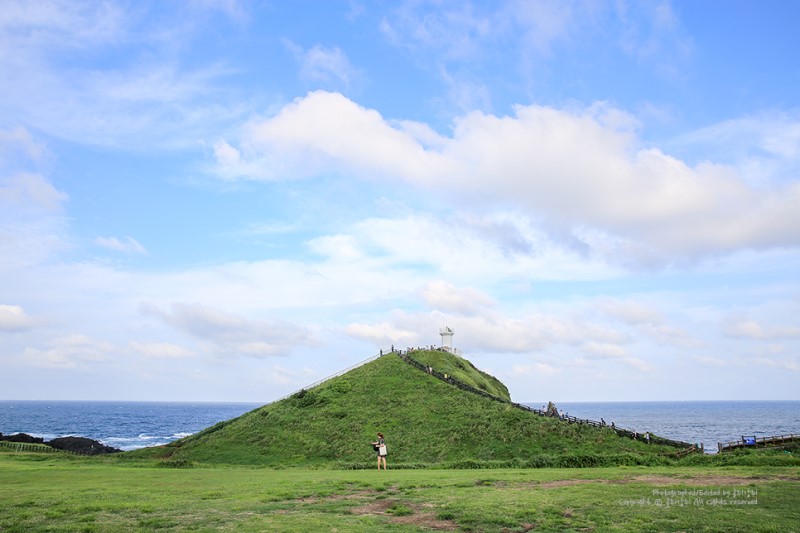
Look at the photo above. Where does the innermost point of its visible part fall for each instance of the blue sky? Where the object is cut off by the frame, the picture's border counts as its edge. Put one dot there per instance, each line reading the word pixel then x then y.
pixel 225 200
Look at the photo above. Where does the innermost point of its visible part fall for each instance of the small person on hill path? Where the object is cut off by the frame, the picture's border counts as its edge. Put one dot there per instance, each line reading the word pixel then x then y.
pixel 380 447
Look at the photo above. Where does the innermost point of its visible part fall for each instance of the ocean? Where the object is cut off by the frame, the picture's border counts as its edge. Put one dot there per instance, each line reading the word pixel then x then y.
pixel 706 422
pixel 123 425
pixel 131 425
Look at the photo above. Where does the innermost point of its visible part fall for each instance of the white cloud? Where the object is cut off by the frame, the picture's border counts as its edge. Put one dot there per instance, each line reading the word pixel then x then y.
pixel 785 363
pixel 751 329
pixel 336 247
pixel 227 334
pixel 55 83
pixel 326 65
pixel 127 245
pixel 421 133
pixel 14 318
pixel 764 146
pixel 30 191
pixel 537 370
pixel 233 9
pixel 54 23
pixel 648 320
pixel 383 334
pixel 444 296
pixel 574 170
pixel 328 131
pixel 451 40
pixel 768 133
pixel 459 32
pixel 638 364
pixel 669 334
pixel 452 32
pixel 706 360
pixel 32 222
pixel 287 376
pixel 496 332
pixel 71 351
pixel 464 94
pixel 632 312
pixel 462 249
pixel 654 36
pixel 451 36
pixel 226 155
pixel 604 350
pixel 160 350
pixel 545 22
pixel 20 138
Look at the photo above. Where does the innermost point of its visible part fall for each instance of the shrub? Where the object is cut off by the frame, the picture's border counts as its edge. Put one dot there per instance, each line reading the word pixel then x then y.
pixel 341 386
pixel 175 463
pixel 307 398
pixel 399 509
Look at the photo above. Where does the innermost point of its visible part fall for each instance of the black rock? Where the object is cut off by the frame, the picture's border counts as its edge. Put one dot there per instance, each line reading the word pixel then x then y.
pixel 81 445
pixel 21 437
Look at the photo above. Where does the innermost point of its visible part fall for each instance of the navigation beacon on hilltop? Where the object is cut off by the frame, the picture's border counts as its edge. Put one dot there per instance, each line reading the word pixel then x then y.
pixel 447 340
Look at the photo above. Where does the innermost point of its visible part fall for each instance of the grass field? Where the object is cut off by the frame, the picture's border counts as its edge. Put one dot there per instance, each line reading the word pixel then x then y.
pixel 62 493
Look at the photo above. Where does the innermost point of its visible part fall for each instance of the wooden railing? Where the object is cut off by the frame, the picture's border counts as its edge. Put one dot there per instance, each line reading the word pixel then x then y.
pixel 405 356
pixel 28 447
pixel 654 439
pixel 757 442
pixel 328 378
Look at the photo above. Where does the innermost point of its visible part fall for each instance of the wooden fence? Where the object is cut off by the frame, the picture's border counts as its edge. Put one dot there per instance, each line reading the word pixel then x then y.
pixel 28 447
pixel 38 448
pixel 654 439
pixel 757 442
pixel 323 380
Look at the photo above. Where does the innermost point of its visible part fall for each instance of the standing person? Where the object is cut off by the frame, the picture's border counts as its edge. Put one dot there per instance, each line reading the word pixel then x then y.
pixel 380 447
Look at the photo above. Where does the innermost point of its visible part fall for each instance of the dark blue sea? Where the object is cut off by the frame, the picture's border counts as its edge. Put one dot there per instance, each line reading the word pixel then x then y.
pixel 123 425
pixel 707 422
pixel 130 425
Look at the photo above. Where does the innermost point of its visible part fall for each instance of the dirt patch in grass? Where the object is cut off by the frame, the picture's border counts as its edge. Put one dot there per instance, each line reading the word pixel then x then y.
pixel 332 497
pixel 420 516
pixel 372 502
pixel 377 507
pixel 706 480
pixel 426 520
pixel 665 480
pixel 563 483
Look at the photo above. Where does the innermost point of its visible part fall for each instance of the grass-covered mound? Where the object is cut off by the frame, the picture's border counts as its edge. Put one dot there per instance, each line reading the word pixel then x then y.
pixel 462 370
pixel 426 421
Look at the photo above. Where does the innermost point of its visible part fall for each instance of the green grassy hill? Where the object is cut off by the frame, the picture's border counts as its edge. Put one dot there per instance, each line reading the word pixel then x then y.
pixel 425 421
pixel 462 370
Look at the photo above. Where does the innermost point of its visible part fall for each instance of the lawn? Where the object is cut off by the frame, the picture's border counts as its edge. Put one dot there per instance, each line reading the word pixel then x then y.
pixel 61 493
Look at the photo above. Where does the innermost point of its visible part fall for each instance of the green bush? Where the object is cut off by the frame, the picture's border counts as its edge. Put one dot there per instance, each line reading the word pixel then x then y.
pixel 175 463
pixel 341 386
pixel 764 457
pixel 399 509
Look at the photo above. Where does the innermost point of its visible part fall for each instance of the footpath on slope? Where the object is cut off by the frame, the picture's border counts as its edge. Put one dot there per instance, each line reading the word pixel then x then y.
pixel 687 448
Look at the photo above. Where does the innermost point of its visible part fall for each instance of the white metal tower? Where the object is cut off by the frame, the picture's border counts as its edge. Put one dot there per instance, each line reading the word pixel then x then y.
pixel 447 338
